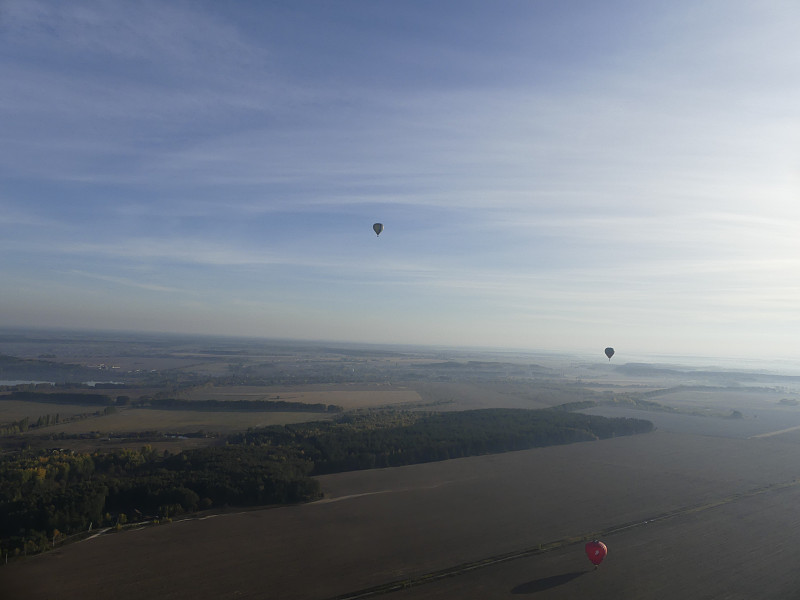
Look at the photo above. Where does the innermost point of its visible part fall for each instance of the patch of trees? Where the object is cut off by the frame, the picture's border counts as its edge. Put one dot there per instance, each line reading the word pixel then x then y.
pixel 15 427
pixel 580 405
pixel 369 441
pixel 638 402
pixel 44 495
pixel 243 405
pixel 47 494
pixel 82 398
pixel 27 423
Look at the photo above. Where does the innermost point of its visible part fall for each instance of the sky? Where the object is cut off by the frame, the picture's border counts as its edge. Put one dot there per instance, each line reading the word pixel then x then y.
pixel 551 174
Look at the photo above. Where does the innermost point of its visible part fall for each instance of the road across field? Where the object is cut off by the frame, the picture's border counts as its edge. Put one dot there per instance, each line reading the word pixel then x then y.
pixel 721 519
pixel 779 432
pixel 564 543
pixel 740 550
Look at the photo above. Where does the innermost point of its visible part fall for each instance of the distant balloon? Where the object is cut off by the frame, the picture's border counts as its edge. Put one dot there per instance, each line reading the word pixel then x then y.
pixel 596 551
pixel 377 228
pixel 609 353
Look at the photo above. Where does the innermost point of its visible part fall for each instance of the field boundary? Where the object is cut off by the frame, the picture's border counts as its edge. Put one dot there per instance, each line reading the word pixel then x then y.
pixel 489 561
pixel 772 433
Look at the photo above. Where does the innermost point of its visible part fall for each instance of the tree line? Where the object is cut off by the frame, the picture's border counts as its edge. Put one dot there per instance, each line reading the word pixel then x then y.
pixel 365 441
pixel 92 399
pixel 244 405
pixel 44 495
pixel 47 494
pixel 82 398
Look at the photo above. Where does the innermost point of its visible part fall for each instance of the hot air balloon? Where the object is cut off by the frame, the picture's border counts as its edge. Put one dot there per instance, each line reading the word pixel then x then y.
pixel 377 228
pixel 596 551
pixel 609 353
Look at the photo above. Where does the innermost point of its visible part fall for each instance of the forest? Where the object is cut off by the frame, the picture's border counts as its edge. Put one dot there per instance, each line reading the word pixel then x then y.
pixel 59 397
pixel 390 439
pixel 46 496
pixel 248 405
pixel 93 399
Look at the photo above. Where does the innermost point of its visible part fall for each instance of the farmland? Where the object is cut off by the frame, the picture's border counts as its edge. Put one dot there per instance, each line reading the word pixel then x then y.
pixel 701 507
pixel 397 524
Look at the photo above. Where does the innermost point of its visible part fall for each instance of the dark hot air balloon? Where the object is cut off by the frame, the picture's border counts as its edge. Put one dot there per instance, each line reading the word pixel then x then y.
pixel 609 353
pixel 596 551
pixel 377 228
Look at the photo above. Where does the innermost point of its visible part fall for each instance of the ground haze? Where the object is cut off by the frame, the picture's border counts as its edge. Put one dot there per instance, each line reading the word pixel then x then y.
pixel 701 507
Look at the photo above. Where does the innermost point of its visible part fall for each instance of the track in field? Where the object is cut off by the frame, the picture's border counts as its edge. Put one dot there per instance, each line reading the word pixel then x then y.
pixel 489 561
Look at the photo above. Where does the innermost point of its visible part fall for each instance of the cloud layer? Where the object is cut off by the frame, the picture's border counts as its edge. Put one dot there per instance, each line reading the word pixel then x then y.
pixel 550 175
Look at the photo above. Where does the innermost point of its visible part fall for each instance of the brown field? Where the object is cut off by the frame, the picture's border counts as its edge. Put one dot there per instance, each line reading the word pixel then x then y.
pixel 467 396
pixel 704 507
pixel 183 421
pixel 349 397
pixel 385 525
pixel 15 410
pixel 439 396
pixel 696 556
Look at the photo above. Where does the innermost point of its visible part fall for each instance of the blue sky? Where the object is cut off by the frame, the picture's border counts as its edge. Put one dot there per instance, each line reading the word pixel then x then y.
pixel 560 175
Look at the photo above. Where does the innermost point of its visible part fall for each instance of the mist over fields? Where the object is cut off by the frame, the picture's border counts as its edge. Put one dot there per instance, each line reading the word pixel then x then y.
pixel 722 439
pixel 319 300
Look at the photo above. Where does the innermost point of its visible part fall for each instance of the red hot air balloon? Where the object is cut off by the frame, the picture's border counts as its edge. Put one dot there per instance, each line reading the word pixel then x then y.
pixel 596 551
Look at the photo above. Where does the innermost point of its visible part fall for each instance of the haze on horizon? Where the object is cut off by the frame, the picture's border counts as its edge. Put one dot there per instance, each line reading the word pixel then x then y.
pixel 551 175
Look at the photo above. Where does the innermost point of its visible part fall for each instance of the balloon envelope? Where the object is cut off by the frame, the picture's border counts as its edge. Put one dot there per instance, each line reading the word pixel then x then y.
pixel 609 353
pixel 596 551
pixel 377 228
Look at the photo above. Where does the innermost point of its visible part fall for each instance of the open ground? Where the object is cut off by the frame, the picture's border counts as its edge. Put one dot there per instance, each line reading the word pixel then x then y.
pixel 731 499
pixel 701 508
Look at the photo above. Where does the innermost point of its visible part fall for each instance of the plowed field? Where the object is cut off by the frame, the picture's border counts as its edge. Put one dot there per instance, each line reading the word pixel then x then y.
pixel 690 516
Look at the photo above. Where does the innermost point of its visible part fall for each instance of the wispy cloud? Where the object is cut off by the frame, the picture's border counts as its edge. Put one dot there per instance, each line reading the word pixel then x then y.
pixel 126 282
pixel 537 168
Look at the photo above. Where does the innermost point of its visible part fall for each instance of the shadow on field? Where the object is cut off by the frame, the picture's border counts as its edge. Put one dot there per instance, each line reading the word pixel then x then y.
pixel 545 583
